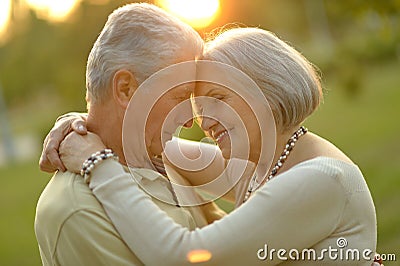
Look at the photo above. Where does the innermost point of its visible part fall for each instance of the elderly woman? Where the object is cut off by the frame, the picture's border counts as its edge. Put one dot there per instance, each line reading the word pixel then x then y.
pixel 313 207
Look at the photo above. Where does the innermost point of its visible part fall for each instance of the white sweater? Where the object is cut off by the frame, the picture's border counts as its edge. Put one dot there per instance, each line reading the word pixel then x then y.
pixel 313 205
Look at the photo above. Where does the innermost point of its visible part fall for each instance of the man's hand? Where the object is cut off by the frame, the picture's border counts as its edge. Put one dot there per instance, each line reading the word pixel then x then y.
pixel 50 160
pixel 75 149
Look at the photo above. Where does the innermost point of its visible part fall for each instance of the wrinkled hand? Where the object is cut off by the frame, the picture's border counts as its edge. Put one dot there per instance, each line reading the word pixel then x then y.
pixel 75 149
pixel 50 160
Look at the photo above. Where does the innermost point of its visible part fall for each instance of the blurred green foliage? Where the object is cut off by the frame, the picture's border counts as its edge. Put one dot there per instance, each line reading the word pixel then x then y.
pixel 355 44
pixel 51 58
pixel 20 190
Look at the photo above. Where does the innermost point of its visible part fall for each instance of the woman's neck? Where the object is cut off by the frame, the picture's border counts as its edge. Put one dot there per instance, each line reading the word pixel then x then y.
pixel 265 165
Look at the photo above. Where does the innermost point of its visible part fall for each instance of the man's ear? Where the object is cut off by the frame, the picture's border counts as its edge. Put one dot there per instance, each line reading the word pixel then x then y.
pixel 124 86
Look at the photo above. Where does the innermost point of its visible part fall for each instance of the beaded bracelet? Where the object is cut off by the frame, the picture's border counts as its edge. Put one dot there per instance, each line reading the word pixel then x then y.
pixel 94 159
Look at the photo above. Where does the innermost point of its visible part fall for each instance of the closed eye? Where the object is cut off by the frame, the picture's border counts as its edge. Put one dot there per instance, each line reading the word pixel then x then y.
pixel 217 96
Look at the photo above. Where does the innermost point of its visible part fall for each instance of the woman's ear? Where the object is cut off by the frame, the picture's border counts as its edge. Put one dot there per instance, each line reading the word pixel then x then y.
pixel 124 86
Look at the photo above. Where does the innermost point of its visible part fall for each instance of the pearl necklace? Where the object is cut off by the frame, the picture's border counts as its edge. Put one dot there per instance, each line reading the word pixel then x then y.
pixel 253 185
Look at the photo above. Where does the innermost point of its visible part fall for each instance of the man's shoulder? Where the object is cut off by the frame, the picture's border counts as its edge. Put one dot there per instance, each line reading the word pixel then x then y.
pixel 70 220
pixel 65 194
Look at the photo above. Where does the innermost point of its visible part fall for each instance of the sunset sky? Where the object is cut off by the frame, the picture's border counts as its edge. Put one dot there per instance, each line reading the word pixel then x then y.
pixel 198 13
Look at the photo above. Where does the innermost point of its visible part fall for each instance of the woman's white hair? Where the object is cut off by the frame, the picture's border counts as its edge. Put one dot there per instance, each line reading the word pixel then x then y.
pixel 287 79
pixel 141 38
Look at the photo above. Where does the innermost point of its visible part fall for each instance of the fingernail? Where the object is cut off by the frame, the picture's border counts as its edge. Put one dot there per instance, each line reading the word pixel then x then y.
pixel 81 128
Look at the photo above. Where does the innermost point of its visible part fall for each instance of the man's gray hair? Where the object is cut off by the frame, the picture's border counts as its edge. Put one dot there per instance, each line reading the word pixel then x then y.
pixel 287 79
pixel 141 38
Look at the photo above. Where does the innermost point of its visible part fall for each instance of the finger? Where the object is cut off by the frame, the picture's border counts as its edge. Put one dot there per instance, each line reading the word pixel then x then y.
pixel 46 140
pixel 50 170
pixel 45 165
pixel 49 160
pixel 79 126
pixel 54 158
pixel 54 139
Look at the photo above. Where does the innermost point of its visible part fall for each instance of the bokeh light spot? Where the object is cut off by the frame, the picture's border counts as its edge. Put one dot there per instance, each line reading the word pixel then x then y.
pixel 198 13
pixel 199 255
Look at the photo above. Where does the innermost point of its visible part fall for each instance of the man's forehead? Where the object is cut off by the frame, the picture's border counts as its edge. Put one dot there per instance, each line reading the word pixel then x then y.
pixel 182 89
pixel 204 88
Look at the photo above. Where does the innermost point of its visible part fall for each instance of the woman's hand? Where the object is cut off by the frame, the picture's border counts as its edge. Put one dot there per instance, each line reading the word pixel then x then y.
pixel 75 149
pixel 50 160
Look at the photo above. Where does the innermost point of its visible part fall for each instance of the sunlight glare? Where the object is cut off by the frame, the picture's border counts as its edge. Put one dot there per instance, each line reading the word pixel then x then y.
pixel 55 10
pixel 5 12
pixel 199 255
pixel 197 13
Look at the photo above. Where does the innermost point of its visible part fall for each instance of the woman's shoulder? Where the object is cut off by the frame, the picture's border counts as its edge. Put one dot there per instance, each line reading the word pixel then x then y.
pixel 314 146
pixel 346 173
pixel 327 164
pixel 331 166
pixel 317 153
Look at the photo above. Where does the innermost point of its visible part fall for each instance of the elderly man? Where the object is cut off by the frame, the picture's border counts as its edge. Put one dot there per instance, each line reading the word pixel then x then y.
pixel 137 40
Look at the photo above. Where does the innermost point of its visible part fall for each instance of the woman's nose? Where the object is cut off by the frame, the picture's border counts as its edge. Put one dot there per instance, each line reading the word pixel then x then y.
pixel 189 123
pixel 206 123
